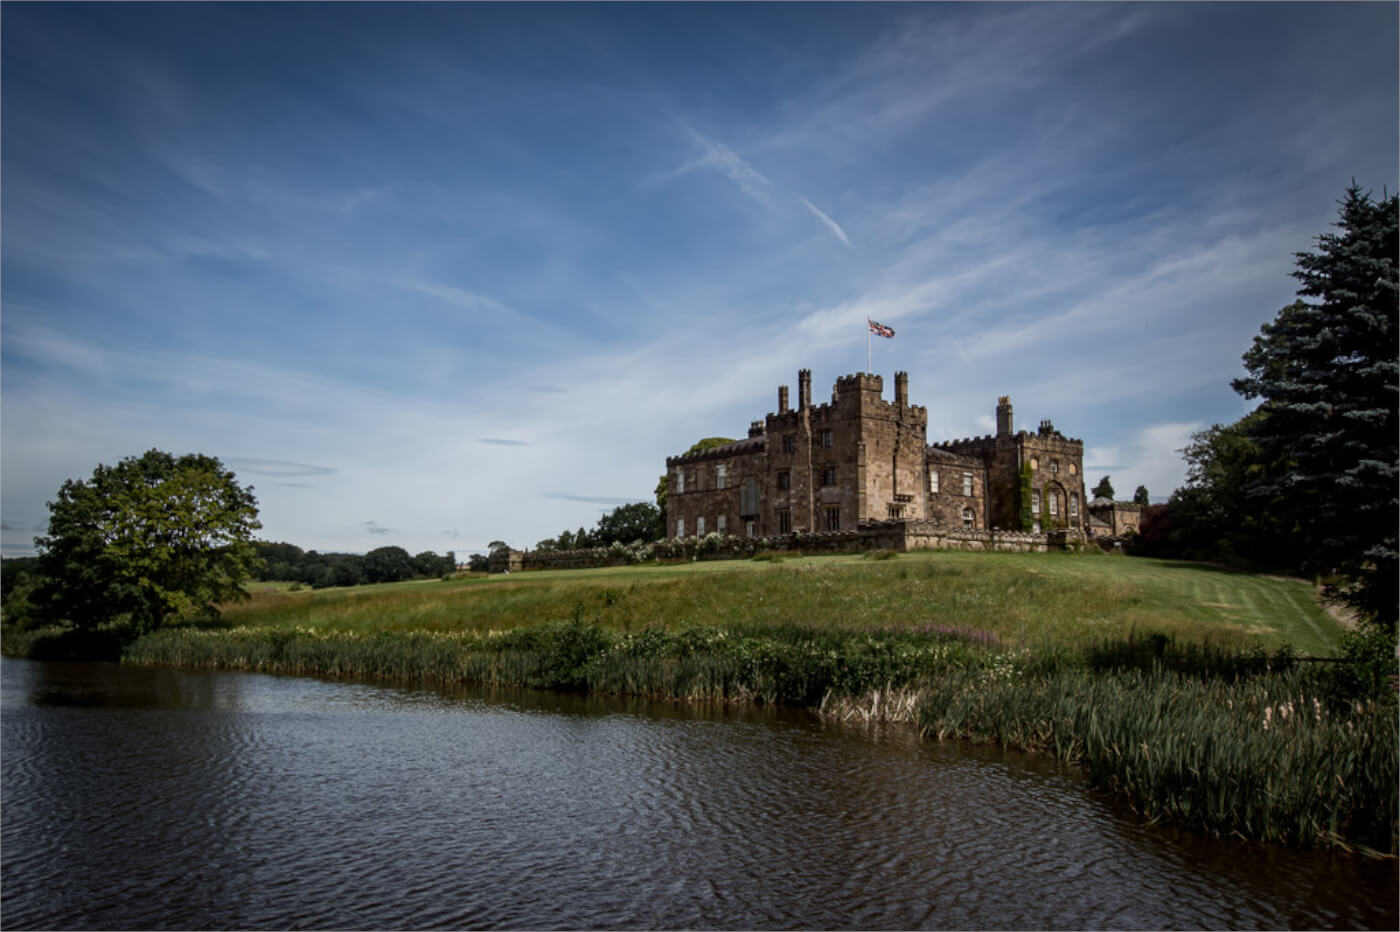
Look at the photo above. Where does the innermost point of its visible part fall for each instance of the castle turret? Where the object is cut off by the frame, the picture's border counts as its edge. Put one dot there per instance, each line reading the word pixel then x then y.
pixel 1004 416
pixel 782 399
pixel 804 389
pixel 901 389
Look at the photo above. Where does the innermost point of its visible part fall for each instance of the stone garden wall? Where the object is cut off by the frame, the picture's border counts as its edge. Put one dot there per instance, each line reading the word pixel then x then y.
pixel 870 535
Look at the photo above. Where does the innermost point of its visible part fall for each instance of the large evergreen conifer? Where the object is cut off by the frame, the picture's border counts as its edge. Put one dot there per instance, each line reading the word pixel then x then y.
pixel 1326 372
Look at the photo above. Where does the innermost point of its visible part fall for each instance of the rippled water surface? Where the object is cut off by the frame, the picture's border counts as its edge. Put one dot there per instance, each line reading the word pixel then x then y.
pixel 137 798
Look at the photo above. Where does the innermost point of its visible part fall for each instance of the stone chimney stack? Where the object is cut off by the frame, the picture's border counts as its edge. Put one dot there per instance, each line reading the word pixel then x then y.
pixel 1004 416
pixel 901 389
pixel 804 389
pixel 782 399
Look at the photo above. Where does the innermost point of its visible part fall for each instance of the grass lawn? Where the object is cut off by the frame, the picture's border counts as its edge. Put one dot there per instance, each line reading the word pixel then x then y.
pixel 1033 600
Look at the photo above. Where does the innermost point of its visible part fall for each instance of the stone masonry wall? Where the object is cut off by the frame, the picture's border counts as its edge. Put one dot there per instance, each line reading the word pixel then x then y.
pixel 899 535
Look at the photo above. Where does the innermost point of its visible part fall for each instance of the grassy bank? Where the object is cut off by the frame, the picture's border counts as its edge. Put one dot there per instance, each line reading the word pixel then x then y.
pixel 1177 687
pixel 1033 600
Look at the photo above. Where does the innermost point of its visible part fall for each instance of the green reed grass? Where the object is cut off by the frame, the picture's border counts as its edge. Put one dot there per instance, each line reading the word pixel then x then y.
pixel 1271 758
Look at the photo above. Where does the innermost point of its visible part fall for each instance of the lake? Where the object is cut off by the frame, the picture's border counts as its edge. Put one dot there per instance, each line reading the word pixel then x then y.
pixel 161 798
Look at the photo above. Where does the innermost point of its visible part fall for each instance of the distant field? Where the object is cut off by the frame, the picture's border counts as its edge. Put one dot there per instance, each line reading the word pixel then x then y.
pixel 1029 599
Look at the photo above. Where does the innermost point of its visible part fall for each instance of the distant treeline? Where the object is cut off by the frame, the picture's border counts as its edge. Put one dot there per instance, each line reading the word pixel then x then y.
pixel 288 562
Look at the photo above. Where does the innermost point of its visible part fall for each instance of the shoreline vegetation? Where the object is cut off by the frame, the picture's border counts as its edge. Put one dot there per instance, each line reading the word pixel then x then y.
pixel 1198 696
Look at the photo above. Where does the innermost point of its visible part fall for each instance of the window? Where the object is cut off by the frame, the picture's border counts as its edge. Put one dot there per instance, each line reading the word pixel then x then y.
pixel 833 519
pixel 680 527
pixel 1035 463
pixel 1073 503
pixel 1073 469
pixel 933 480
pixel 719 475
pixel 720 525
pixel 1054 467
pixel 700 526
pixel 680 481
pixel 824 438
pixel 967 483
pixel 789 444
pixel 1035 526
pixel 967 517
pixel 748 497
pixel 749 529
pixel 784 522
pixel 829 475
pixel 1035 502
pixel 1054 499
pixel 784 479
pixel 894 511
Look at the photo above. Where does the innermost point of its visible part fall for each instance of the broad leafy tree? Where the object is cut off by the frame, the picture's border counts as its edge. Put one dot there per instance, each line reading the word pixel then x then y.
pixel 1325 371
pixel 152 539
pixel 1212 517
pixel 429 564
pixel 628 523
pixel 388 564
pixel 1104 489
pixel 1140 496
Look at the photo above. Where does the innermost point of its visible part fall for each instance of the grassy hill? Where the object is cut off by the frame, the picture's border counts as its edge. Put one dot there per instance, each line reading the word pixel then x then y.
pixel 1031 600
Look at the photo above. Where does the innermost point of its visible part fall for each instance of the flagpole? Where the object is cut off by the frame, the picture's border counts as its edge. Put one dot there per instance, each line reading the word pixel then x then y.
pixel 867 346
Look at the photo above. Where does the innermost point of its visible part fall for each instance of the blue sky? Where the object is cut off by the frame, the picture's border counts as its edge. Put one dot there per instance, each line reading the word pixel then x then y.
pixel 442 274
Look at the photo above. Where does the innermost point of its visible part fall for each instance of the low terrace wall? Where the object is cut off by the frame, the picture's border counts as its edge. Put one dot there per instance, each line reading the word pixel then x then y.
pixel 874 535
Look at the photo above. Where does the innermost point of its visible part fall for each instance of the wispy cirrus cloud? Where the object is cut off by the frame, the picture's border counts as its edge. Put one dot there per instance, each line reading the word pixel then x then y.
pixel 502 442
pixel 720 157
pixel 824 218
pixel 276 468
pixel 590 499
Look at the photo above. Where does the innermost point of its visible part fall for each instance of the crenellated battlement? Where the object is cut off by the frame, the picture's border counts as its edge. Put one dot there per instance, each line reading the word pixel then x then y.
pixel 858 382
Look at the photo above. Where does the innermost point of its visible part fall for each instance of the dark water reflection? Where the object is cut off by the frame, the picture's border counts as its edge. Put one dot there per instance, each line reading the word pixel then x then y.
pixel 177 799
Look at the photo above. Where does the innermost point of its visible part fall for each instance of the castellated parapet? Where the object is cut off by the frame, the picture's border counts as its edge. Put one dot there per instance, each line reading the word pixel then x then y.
pixel 832 467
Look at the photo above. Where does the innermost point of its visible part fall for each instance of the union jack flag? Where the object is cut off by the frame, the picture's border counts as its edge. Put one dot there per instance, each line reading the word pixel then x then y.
pixel 880 329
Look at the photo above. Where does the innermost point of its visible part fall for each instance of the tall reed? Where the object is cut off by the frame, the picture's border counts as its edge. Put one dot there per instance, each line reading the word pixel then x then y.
pixel 1272 758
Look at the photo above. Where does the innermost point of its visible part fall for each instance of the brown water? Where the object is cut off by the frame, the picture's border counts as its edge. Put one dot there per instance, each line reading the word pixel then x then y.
pixel 136 798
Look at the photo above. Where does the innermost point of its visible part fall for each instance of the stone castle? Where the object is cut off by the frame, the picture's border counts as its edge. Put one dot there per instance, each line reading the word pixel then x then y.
pixel 859 459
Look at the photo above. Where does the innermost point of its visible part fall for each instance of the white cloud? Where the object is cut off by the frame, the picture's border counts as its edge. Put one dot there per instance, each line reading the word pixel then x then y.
pixel 831 224
pixel 1155 460
pixel 719 156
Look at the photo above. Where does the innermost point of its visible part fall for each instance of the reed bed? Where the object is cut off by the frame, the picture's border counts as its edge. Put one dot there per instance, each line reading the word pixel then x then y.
pixel 783 664
pixel 1275 757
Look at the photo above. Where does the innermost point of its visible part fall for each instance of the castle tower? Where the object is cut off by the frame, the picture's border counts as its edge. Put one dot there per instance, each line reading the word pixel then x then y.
pixel 901 389
pixel 782 399
pixel 804 389
pixel 1004 425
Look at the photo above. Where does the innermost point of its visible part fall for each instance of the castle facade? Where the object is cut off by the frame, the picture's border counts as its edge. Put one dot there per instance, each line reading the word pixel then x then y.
pixel 858 458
